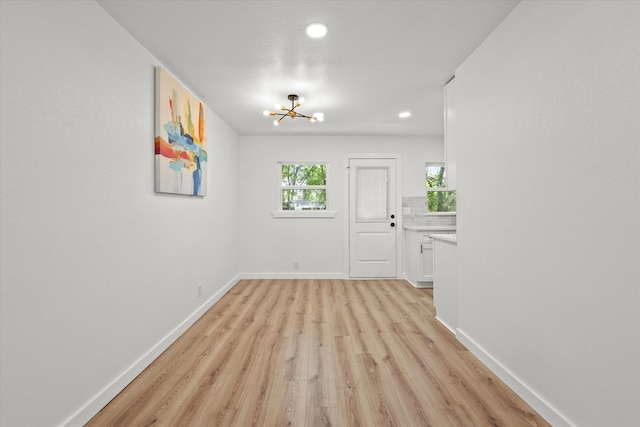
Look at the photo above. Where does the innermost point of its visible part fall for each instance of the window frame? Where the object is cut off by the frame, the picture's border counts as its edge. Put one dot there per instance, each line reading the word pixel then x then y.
pixel 437 189
pixel 319 213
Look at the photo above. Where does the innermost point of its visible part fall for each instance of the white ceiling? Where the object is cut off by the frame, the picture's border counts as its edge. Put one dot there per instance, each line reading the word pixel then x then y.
pixel 379 57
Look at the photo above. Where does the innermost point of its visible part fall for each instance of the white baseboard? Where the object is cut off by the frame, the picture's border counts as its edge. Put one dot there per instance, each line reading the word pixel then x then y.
pixel 308 276
pixel 419 285
pixel 312 276
pixel 95 404
pixel 454 331
pixel 548 412
pixel 422 285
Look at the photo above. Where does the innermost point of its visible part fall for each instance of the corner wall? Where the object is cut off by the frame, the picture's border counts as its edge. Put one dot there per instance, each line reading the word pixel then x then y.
pixel 98 272
pixel 549 208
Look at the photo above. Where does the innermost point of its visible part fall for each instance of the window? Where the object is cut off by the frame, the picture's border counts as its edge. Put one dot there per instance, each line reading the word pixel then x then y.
pixel 302 192
pixel 303 186
pixel 438 198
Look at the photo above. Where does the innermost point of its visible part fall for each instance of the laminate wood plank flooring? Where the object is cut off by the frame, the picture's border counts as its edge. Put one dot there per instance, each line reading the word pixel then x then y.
pixel 318 353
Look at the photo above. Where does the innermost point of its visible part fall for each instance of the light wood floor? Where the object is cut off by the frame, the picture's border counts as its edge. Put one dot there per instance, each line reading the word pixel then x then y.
pixel 318 353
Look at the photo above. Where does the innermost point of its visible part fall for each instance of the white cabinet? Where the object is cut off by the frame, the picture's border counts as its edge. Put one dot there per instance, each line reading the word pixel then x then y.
pixel 425 260
pixel 445 287
pixel 418 257
pixel 450 133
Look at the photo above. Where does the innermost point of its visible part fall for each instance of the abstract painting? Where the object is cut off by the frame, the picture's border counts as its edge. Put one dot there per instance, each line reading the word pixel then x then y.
pixel 180 139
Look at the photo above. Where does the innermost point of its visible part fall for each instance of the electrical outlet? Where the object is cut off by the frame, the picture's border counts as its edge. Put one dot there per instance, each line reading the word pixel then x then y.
pixel 296 265
pixel 199 289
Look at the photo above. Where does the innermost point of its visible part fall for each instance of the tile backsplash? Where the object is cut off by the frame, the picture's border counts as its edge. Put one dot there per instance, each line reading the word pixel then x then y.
pixel 414 210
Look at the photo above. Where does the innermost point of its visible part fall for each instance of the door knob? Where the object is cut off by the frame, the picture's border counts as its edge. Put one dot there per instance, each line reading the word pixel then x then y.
pixel 393 216
pixel 393 224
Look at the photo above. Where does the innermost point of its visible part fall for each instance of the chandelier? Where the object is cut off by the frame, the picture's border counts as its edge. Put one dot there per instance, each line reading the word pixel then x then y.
pixel 291 112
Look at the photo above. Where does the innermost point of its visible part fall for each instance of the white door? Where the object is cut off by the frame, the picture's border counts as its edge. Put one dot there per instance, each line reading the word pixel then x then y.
pixel 372 218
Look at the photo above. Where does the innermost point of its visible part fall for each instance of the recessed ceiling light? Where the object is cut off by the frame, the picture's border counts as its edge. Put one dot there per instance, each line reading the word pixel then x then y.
pixel 404 114
pixel 316 30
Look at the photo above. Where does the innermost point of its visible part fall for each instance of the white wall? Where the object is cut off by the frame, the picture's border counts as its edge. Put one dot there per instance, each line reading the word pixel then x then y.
pixel 269 246
pixel 549 209
pixel 96 269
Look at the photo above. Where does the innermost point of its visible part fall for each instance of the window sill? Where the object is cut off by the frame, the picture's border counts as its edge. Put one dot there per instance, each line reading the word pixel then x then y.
pixel 304 214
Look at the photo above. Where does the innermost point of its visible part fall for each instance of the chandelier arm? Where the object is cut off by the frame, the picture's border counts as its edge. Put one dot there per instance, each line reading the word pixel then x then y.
pixel 291 112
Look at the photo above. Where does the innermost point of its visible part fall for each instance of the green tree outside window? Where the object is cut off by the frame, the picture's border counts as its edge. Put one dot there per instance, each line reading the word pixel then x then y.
pixel 304 186
pixel 438 198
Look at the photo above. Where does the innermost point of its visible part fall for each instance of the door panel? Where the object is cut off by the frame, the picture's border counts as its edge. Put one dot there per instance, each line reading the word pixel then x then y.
pixel 372 231
pixel 371 194
pixel 372 247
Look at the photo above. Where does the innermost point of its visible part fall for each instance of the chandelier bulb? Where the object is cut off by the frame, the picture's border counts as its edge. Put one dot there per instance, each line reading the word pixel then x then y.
pixel 295 102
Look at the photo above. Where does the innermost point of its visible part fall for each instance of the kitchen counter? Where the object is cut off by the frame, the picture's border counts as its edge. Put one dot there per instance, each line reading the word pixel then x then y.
pixel 434 228
pixel 418 252
pixel 445 237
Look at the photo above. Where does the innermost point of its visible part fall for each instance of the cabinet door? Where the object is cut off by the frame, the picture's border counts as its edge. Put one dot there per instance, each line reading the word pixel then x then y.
pixel 411 257
pixel 426 261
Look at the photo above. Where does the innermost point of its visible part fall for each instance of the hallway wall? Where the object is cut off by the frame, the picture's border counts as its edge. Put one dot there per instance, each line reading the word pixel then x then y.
pixel 98 271
pixel 549 207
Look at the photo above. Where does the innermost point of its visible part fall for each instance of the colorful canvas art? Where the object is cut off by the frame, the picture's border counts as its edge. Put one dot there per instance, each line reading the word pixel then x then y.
pixel 180 139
